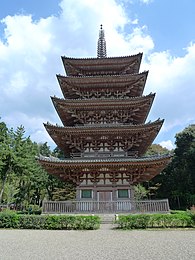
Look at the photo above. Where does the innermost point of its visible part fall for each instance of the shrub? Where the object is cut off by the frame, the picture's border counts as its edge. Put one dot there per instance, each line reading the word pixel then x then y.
pixel 31 222
pixel 141 221
pixel 192 215
pixel 13 220
pixel 8 219
pixel 133 221
pixel 77 222
pixel 170 221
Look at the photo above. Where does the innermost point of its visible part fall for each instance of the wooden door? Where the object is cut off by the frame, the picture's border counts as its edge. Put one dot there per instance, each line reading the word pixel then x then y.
pixel 105 195
pixel 105 201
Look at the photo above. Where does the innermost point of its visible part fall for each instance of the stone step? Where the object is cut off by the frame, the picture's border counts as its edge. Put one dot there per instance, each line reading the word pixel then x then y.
pixel 107 218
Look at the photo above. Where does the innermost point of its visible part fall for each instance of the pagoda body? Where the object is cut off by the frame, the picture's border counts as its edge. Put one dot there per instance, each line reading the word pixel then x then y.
pixel 105 134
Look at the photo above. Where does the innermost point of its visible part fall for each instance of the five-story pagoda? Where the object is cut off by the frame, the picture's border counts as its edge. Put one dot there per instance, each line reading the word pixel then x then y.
pixel 104 135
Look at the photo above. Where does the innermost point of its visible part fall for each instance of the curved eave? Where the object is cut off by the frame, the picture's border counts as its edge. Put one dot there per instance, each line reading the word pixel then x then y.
pixel 113 65
pixel 69 169
pixel 101 129
pixel 145 160
pixel 141 107
pixel 144 134
pixel 72 86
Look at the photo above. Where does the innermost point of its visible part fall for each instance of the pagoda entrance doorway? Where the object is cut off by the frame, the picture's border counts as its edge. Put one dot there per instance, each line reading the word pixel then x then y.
pixel 104 199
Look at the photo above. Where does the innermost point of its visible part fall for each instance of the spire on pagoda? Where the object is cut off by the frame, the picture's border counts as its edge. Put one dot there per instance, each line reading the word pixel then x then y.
pixel 101 48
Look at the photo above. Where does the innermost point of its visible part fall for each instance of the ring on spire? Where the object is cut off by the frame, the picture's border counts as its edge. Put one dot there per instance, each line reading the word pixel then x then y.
pixel 101 48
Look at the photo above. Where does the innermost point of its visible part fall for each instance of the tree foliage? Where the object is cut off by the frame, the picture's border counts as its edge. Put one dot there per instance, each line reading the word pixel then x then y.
pixel 22 180
pixel 177 181
pixel 155 149
pixel 140 192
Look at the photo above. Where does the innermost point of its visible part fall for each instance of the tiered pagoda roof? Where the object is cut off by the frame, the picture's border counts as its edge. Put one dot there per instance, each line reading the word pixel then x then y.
pixel 132 111
pixel 102 66
pixel 132 137
pixel 123 85
pixel 104 133
pixel 133 170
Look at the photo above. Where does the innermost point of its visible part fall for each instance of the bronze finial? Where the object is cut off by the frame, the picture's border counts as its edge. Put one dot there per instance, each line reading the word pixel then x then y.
pixel 101 48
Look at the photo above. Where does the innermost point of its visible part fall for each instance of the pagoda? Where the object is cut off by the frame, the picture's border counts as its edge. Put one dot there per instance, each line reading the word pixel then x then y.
pixel 105 135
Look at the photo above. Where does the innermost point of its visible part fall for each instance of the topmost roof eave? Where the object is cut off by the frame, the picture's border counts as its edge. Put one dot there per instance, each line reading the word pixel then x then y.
pixel 95 58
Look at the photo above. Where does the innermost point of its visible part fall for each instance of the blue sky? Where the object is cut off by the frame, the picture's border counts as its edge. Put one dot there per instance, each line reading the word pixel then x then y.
pixel 38 9
pixel 34 34
pixel 170 23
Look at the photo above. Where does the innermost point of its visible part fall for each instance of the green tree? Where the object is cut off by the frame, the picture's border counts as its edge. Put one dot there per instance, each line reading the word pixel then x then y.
pixel 21 176
pixel 140 192
pixel 44 149
pixel 22 179
pixel 56 188
pixel 7 157
pixel 155 149
pixel 58 153
pixel 178 179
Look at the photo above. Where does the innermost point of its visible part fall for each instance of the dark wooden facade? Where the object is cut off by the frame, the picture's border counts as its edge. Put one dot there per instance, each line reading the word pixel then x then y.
pixel 104 135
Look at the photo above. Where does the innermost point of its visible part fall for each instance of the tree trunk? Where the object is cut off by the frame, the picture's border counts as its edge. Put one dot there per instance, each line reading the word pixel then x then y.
pixel 4 183
pixel 178 202
pixel 2 189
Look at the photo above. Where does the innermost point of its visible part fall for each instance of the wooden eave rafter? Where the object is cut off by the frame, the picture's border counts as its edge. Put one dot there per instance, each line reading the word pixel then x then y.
pixel 112 65
pixel 67 138
pixel 140 107
pixel 137 170
pixel 72 87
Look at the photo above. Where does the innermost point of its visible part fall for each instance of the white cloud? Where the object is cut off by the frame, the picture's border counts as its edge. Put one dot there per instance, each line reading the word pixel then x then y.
pixel 30 57
pixel 173 80
pixel 167 144
pixel 146 1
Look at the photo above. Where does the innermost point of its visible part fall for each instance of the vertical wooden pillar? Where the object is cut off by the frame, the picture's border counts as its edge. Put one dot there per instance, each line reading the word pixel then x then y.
pixel 114 193
pixel 78 193
pixel 94 192
pixel 132 192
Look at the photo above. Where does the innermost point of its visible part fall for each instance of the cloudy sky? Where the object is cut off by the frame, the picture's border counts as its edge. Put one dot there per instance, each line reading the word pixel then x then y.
pixel 35 34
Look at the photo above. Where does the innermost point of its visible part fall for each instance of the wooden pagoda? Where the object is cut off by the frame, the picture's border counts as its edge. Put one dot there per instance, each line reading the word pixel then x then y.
pixel 104 135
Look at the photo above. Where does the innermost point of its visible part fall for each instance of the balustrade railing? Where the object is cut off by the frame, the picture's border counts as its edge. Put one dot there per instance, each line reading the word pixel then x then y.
pixel 104 154
pixel 126 206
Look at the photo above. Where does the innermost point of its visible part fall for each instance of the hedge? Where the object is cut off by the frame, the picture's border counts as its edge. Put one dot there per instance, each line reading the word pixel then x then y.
pixel 62 222
pixel 143 221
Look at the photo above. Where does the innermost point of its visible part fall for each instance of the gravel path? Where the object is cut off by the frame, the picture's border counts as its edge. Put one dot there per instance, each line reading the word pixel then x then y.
pixel 95 245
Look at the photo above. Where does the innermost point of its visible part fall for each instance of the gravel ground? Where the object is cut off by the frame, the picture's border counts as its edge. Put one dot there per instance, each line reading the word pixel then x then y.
pixel 100 244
